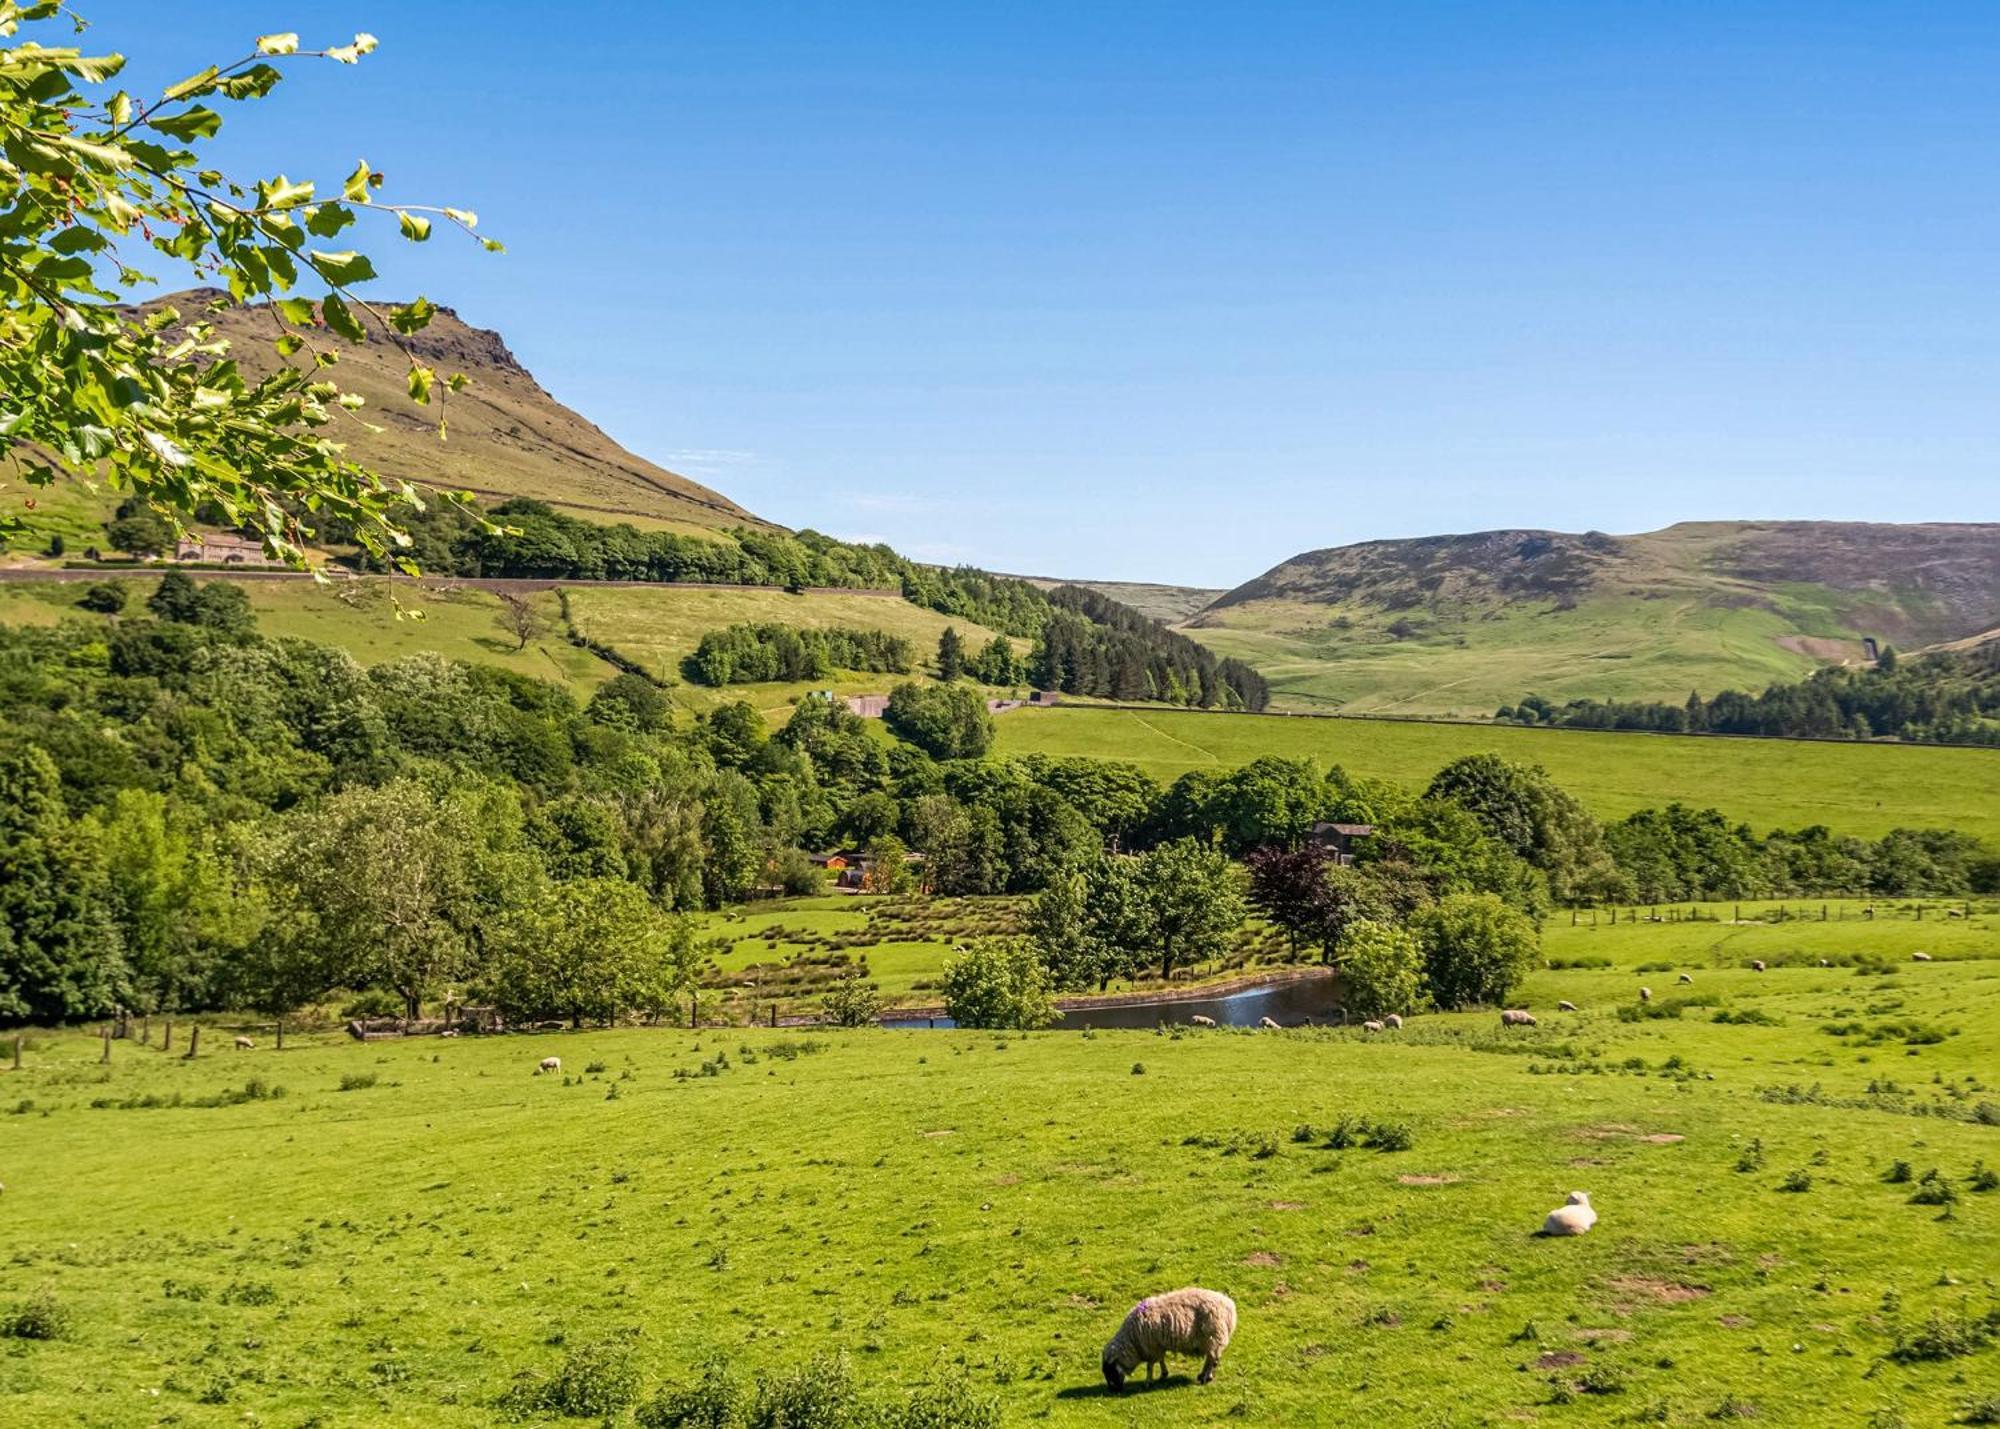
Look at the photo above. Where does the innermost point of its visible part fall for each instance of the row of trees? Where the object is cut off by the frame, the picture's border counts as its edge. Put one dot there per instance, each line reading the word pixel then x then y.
pixel 528 539
pixel 193 815
pixel 1944 698
pixel 746 654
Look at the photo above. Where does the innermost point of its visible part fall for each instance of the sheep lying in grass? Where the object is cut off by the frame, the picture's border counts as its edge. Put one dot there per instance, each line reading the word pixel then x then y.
pixel 1182 1322
pixel 1200 1021
pixel 1394 1019
pixel 1645 994
pixel 1573 1218
pixel 244 1044
pixel 1565 1007
pixel 1515 1017
pixel 1756 965
pixel 1686 979
pixel 550 1064
pixel 1371 1026
pixel 1920 957
pixel 1267 1024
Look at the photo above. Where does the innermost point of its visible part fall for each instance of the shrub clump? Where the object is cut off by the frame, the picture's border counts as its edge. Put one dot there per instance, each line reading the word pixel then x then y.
pixel 595 1380
pixel 852 1002
pixel 40 1317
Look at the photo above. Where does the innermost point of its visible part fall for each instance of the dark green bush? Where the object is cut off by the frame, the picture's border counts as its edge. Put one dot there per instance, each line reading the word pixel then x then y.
pixel 596 1380
pixel 40 1317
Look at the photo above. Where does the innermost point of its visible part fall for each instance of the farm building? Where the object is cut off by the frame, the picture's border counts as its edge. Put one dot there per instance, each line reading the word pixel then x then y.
pixel 1340 839
pixel 221 548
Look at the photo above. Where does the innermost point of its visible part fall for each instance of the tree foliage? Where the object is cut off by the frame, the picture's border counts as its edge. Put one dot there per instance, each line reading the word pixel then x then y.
pixel 150 400
pixel 1476 948
pixel 998 984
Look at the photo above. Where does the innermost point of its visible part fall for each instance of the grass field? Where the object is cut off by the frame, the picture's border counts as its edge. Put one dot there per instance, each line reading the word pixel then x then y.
pixel 400 1251
pixel 1860 789
pixel 1607 647
pixel 658 628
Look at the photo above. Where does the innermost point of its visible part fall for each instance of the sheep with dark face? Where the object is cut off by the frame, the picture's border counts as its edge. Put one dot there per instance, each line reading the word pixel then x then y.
pixel 1192 1321
pixel 1394 1021
pixel 1267 1024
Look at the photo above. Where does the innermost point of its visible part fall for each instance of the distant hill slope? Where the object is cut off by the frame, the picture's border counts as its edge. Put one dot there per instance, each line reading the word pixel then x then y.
pixel 1459 625
pixel 1168 604
pixel 508 437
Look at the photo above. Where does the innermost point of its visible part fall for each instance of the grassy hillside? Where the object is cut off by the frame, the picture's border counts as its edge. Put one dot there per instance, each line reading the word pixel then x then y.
pixel 1860 789
pixel 373 620
pixel 411 1227
pixel 1460 625
pixel 659 626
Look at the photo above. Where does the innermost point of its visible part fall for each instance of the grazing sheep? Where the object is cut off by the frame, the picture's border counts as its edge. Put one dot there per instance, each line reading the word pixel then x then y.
pixel 1267 1024
pixel 1645 994
pixel 1181 1322
pixel 1565 1007
pixel 1824 963
pixel 1515 1017
pixel 1573 1218
pixel 550 1064
pixel 244 1044
pixel 1371 1027
pixel 1685 978
pixel 1920 957
pixel 1200 1021
pixel 1756 965
pixel 1394 1019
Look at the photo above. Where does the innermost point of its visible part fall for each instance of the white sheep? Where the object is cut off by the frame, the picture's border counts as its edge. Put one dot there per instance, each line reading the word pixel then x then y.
pixel 1920 957
pixel 1192 1321
pixel 1267 1024
pixel 1565 1007
pixel 1394 1020
pixel 1645 994
pixel 1371 1027
pixel 550 1064
pixel 1572 1218
pixel 1515 1017
pixel 1756 965
pixel 1685 978
pixel 1200 1021
pixel 1825 963
pixel 244 1044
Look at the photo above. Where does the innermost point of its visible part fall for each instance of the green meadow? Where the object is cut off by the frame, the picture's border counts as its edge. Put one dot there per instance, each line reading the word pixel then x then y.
pixel 1859 789
pixel 396 1232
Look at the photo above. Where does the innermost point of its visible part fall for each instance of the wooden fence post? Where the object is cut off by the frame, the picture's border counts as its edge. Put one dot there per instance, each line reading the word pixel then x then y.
pixel 194 1041
pixel 106 1055
pixel 774 1014
pixel 17 1051
pixel 281 1034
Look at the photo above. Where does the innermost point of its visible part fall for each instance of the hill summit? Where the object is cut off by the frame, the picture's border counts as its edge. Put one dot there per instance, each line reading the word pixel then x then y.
pixel 1460 624
pixel 508 435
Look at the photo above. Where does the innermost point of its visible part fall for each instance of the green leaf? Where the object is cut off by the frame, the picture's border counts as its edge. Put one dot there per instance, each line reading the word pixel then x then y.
pixel 341 319
pixel 458 382
pixel 111 156
pixel 282 193
pixel 78 239
pixel 463 215
pixel 493 245
pixel 120 109
pixel 342 269
pixel 282 44
pixel 415 227
pixel 327 219
pixel 296 311
pixel 421 378
pixel 199 83
pixel 351 54
pixel 200 122
pixel 253 83
pixel 359 182
pixel 413 317
pixel 290 343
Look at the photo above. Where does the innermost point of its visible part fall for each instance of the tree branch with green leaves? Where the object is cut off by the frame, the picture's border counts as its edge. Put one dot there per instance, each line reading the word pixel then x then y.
pixel 149 400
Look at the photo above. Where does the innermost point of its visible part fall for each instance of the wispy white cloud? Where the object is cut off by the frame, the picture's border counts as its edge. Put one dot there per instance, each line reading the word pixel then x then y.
pixel 706 459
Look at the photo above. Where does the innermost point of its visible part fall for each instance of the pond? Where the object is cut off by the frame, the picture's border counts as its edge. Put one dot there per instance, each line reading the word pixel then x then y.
pixel 1294 1002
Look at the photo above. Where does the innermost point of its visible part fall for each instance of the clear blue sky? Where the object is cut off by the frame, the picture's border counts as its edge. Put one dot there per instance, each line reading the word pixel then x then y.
pixel 1172 292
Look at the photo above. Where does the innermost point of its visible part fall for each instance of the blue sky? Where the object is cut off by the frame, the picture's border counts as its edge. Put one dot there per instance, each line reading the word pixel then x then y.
pixel 1171 292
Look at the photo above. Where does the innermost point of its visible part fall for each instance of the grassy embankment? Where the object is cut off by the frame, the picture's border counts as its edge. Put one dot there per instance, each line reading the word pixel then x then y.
pixel 1859 789
pixel 397 1252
